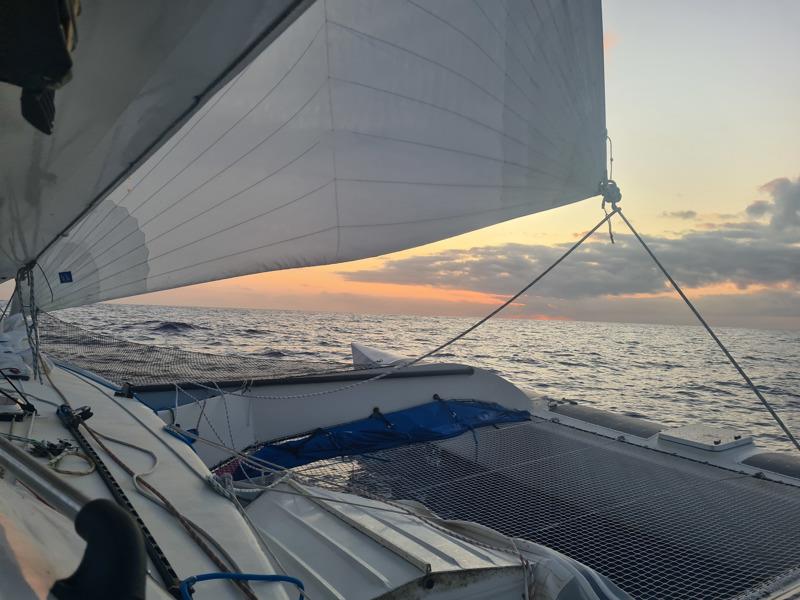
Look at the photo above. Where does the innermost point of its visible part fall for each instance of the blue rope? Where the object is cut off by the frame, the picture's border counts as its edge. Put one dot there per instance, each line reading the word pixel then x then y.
pixel 186 584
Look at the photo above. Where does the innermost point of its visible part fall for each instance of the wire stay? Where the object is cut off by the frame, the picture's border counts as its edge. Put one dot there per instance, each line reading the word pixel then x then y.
pixel 713 335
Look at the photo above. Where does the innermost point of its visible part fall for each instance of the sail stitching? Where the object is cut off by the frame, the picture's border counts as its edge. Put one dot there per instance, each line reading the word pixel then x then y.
pixel 177 143
pixel 258 104
pixel 443 67
pixel 500 68
pixel 313 233
pixel 332 129
pixel 162 211
pixel 443 109
pixel 187 267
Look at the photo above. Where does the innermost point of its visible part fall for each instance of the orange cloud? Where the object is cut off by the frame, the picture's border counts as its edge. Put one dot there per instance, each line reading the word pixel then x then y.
pixel 719 289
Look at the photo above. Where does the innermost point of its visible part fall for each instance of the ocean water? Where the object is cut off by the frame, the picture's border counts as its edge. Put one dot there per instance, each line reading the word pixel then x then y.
pixel 672 374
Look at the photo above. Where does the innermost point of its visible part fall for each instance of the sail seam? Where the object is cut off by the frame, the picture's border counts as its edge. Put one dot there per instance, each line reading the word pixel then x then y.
pixel 500 68
pixel 507 45
pixel 556 177
pixel 333 127
pixel 212 145
pixel 186 268
pixel 151 219
pixel 442 218
pixel 443 67
pixel 177 143
pixel 445 217
pixel 263 39
pixel 447 184
pixel 554 67
pixel 152 258
pixel 345 226
pixel 229 198
pixel 522 143
pixel 453 150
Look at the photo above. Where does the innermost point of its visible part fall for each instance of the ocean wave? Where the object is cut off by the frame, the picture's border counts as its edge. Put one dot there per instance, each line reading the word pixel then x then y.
pixel 669 374
pixel 174 327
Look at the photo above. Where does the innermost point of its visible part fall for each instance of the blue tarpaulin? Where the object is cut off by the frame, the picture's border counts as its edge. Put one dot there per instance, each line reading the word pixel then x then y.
pixel 433 421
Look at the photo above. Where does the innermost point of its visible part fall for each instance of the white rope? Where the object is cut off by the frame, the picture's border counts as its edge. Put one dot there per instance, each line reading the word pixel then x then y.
pixel 227 414
pixel 54 462
pixel 139 475
pixel 773 413
pixel 198 531
pixel 136 418
pixel 406 364
pixel 202 414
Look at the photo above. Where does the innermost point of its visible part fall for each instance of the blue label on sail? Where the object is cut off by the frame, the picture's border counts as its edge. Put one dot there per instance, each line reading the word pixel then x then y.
pixel 65 276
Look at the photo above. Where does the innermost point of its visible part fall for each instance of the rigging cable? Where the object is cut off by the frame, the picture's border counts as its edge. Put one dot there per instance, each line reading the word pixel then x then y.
pixel 171 508
pixel 713 335
pixel 439 348
pixel 200 530
pixel 166 571
pixel 27 273
pixel 137 483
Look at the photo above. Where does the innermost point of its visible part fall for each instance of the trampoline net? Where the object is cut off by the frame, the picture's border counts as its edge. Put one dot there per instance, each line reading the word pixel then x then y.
pixel 121 361
pixel 658 526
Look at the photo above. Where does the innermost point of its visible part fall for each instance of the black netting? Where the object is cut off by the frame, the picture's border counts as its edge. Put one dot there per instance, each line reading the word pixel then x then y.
pixel 141 364
pixel 660 527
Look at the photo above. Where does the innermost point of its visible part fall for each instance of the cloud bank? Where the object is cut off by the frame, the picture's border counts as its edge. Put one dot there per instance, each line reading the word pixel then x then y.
pixel 680 214
pixel 759 256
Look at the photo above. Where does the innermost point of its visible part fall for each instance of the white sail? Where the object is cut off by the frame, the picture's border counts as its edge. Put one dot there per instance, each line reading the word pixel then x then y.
pixel 139 70
pixel 367 127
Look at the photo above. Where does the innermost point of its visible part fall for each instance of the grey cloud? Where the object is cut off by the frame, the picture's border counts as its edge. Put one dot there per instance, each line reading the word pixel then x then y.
pixel 783 208
pixel 786 203
pixel 758 209
pixel 680 214
pixel 744 254
pixel 597 281
pixel 744 257
pixel 769 309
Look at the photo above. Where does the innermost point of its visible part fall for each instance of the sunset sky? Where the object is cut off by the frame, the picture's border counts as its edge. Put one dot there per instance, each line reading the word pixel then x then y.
pixel 703 103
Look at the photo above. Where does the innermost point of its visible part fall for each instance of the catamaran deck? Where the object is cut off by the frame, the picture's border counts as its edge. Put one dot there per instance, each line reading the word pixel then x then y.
pixel 659 526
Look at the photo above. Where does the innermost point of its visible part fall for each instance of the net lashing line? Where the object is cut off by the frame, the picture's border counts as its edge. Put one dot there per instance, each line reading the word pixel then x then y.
pixel 31 316
pixel 121 361
pixel 659 526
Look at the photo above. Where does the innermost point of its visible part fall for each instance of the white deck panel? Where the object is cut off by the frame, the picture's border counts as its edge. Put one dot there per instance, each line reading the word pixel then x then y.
pixel 180 476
